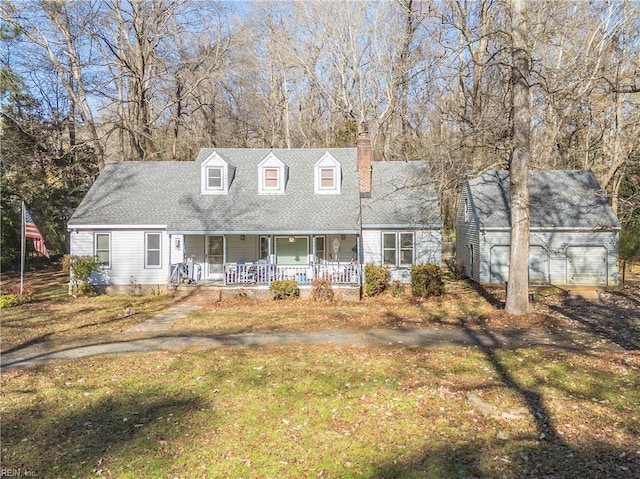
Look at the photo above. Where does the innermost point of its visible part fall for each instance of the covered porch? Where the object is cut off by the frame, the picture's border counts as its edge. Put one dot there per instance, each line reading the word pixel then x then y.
pixel 259 259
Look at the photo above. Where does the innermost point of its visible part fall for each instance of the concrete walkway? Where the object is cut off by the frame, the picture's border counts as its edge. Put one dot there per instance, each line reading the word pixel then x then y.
pixel 155 334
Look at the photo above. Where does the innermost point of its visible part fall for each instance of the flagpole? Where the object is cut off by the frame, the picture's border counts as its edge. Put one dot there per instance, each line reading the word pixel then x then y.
pixel 22 250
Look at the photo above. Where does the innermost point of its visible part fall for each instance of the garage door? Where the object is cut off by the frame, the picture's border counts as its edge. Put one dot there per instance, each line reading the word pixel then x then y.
pixel 587 265
pixel 499 264
pixel 538 265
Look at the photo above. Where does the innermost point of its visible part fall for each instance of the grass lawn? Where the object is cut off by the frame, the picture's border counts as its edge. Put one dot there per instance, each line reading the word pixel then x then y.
pixel 312 411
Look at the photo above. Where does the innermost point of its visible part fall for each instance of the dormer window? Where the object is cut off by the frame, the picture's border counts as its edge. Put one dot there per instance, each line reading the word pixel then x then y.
pixel 327 175
pixel 216 175
pixel 272 176
pixel 327 178
pixel 271 179
pixel 214 178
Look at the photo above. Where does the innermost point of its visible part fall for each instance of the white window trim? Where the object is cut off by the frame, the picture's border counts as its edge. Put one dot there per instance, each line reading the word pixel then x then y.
pixel 398 248
pixel 214 161
pixel 208 169
pixel 271 162
pixel 327 162
pixel 147 250
pixel 270 189
pixel 109 250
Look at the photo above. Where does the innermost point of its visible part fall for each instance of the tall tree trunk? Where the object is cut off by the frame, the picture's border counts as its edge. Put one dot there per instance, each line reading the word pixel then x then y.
pixel 517 293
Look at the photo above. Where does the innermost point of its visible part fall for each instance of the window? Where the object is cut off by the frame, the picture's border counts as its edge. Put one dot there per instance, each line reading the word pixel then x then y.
pixel 102 249
pixel 272 176
pixel 214 178
pixel 397 249
pixel 216 175
pixel 406 249
pixel 389 248
pixel 320 249
pixel 152 250
pixel 327 178
pixel 271 179
pixel 264 248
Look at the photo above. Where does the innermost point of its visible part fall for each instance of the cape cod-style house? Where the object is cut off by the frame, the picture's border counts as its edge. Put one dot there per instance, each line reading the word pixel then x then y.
pixel 574 231
pixel 246 217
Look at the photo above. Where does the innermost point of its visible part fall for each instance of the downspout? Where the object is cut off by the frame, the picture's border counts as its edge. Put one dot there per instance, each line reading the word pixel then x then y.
pixel 170 262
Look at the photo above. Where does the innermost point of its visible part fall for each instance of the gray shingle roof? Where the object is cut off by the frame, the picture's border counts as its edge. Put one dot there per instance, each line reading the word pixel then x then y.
pixel 402 195
pixel 558 198
pixel 168 193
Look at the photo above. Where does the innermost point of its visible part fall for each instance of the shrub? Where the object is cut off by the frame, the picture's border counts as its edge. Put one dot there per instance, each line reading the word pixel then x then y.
pixel 81 268
pixel 8 301
pixel 284 289
pixel 15 298
pixel 321 290
pixel 397 289
pixel 376 279
pixel 426 280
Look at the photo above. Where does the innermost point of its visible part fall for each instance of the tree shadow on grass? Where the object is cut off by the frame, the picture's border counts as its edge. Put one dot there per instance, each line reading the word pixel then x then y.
pixel 526 459
pixel 546 454
pixel 35 438
pixel 617 319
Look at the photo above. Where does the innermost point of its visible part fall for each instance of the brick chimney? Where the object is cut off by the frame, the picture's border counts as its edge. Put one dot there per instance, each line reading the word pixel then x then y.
pixel 363 149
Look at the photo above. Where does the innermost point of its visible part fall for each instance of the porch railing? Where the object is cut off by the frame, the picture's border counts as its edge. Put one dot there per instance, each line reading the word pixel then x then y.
pixel 263 273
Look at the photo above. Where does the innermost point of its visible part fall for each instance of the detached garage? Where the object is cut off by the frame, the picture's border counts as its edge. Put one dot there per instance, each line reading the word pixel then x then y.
pixel 574 231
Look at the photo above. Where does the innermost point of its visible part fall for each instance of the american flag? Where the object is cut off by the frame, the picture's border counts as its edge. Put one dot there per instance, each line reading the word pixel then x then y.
pixel 32 231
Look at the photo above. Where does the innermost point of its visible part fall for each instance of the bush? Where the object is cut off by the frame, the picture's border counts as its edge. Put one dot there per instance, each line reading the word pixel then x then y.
pixel 426 280
pixel 397 289
pixel 284 289
pixel 81 268
pixel 321 290
pixel 376 279
pixel 14 298
pixel 8 301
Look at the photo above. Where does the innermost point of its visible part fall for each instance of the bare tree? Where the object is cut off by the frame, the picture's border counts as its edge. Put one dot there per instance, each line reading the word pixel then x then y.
pixel 517 295
pixel 60 30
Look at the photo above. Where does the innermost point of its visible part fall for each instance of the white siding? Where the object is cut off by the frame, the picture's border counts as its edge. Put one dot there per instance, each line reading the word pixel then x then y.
pixel 428 247
pixel 372 246
pixel 176 249
pixel 127 257
pixel 468 239
pixel 427 250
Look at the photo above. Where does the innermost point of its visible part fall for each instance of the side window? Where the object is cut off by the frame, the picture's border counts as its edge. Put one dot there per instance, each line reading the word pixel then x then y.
pixel 152 250
pixel 397 249
pixel 102 248
pixel 389 249
pixel 406 249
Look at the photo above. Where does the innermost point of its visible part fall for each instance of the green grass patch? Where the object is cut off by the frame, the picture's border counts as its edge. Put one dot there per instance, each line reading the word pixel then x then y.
pixel 324 411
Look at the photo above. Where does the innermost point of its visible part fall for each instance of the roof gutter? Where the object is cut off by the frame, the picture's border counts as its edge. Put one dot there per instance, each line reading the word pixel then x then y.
pixel 71 227
pixel 555 229
pixel 265 232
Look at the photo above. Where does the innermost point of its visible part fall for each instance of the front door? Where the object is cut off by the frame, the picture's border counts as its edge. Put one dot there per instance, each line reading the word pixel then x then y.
pixel 215 257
